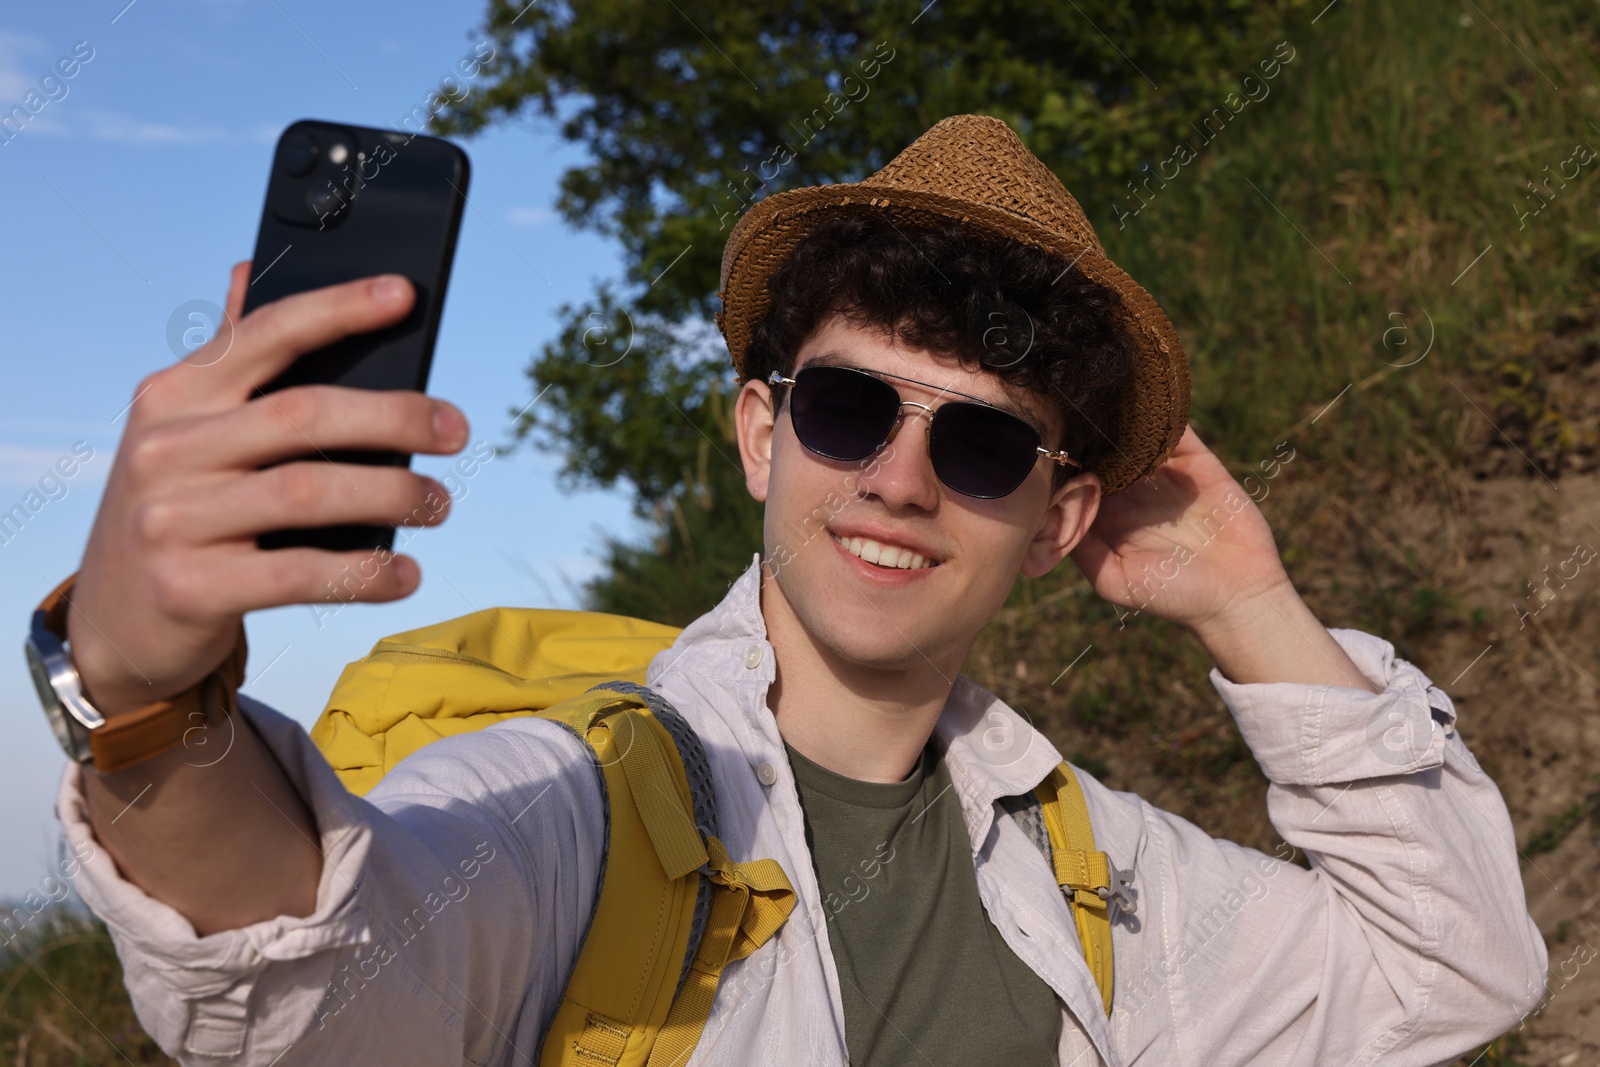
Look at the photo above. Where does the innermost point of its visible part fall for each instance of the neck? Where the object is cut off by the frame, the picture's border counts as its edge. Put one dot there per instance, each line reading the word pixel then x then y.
pixel 863 721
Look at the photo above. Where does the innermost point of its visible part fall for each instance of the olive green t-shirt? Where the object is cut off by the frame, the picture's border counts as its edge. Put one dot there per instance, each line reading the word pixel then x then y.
pixel 925 976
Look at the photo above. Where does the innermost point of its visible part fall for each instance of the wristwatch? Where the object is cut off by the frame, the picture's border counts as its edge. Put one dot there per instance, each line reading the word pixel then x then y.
pixel 112 743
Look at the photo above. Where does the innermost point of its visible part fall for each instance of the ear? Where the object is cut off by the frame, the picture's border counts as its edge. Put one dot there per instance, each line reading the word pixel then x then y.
pixel 1071 512
pixel 753 419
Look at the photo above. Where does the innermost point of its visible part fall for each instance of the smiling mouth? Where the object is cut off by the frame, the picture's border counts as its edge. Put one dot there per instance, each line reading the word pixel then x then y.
pixel 891 557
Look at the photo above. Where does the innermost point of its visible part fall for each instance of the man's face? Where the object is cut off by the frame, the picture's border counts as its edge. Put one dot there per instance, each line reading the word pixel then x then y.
pixel 822 516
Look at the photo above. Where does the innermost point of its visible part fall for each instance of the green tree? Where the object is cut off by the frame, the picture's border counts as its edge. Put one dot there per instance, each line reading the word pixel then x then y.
pixel 691 114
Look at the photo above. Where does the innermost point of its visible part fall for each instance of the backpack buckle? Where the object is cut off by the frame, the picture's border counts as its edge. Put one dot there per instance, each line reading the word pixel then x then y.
pixel 1121 881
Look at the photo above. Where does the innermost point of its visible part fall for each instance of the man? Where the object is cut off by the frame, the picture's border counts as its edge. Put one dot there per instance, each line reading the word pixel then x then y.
pixel 912 463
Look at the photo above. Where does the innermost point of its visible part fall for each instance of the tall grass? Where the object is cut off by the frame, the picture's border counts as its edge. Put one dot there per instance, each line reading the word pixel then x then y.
pixel 1393 151
pixel 62 1001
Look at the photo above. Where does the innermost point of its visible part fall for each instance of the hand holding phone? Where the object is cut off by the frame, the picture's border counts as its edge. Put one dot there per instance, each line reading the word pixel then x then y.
pixel 209 461
pixel 269 467
pixel 172 561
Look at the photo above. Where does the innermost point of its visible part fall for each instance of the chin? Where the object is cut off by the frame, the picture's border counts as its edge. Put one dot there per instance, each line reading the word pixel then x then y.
pixel 864 626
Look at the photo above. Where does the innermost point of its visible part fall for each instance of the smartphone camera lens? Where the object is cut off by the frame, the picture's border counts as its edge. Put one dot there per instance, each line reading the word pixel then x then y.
pixel 297 155
pixel 324 202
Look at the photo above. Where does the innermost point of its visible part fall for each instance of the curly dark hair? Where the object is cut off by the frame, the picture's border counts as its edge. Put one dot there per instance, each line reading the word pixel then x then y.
pixel 1028 316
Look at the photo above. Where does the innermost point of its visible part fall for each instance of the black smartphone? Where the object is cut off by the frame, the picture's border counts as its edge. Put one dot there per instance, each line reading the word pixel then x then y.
pixel 346 202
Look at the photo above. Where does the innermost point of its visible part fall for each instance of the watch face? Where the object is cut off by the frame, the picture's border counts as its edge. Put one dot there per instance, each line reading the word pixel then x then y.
pixel 70 734
pixel 61 724
pixel 40 675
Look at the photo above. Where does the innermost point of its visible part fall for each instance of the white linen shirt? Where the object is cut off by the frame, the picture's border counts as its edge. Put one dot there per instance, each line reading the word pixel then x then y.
pixel 454 897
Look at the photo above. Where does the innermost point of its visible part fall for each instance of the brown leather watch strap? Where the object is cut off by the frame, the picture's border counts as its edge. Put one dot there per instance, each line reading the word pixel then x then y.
pixel 132 737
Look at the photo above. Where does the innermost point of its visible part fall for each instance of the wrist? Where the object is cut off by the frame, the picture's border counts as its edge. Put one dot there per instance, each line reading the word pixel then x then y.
pixel 1255 605
pixel 110 740
pixel 1270 635
pixel 115 701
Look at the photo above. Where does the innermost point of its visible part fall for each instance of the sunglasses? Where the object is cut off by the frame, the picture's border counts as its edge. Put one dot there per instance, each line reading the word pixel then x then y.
pixel 977 449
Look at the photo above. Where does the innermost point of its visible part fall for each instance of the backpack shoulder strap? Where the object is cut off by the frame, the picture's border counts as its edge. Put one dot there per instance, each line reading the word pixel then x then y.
pixel 642 988
pixel 1056 817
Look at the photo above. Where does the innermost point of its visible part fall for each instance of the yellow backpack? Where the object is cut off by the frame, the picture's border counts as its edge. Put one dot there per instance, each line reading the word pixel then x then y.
pixel 673 909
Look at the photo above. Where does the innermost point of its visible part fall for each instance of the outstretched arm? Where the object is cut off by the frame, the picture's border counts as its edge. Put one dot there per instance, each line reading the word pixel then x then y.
pixel 172 566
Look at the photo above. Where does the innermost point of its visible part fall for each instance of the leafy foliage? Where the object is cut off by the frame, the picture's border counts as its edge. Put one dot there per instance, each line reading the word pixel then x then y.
pixel 705 541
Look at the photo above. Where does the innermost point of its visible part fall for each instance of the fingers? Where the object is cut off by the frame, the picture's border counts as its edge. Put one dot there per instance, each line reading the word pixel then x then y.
pixel 235 580
pixel 304 419
pixel 1093 556
pixel 261 345
pixel 292 496
pixel 172 562
pixel 274 336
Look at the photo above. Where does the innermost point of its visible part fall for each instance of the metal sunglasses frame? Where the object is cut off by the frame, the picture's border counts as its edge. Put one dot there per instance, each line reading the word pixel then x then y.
pixel 1061 457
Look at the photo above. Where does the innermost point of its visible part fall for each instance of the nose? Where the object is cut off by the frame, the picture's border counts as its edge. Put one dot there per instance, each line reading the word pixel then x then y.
pixel 901 473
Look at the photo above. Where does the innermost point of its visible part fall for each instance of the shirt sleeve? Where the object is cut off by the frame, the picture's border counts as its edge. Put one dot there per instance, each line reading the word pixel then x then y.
pixel 1407 942
pixel 450 909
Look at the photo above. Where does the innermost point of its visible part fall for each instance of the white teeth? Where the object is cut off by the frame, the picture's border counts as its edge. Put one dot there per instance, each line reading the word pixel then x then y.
pixel 895 557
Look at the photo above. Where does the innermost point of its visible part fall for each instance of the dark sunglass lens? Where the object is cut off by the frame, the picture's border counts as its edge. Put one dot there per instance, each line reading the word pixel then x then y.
pixel 980 451
pixel 840 413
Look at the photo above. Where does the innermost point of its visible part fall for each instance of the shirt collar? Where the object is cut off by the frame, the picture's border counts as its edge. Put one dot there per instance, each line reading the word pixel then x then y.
pixel 992 752
pixel 728 647
pixel 737 617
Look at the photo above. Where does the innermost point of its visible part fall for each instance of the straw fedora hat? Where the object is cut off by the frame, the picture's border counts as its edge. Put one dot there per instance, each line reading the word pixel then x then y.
pixel 975 170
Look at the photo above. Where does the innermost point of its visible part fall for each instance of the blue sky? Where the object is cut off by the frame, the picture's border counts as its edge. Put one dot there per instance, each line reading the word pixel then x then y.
pixel 135 192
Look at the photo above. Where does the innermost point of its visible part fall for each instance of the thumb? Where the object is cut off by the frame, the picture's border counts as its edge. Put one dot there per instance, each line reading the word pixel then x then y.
pixel 238 283
pixel 1099 564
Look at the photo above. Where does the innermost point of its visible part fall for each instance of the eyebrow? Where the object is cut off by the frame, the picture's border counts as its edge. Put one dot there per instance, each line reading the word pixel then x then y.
pixel 838 359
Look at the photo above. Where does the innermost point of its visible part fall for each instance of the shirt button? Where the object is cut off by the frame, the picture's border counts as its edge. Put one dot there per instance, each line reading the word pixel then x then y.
pixel 752 659
pixel 767 773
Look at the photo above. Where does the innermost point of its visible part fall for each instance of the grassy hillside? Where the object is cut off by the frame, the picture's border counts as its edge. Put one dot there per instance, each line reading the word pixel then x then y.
pixel 1350 269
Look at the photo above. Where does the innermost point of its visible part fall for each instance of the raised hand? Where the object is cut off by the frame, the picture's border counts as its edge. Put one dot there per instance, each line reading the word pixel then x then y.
pixel 1190 546
pixel 172 563
pixel 1186 545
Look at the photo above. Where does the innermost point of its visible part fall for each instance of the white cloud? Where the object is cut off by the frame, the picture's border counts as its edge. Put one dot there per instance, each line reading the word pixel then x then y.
pixel 73 429
pixel 17 53
pixel 21 466
pixel 45 123
pixel 105 125
pixel 25 58
pixel 529 216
